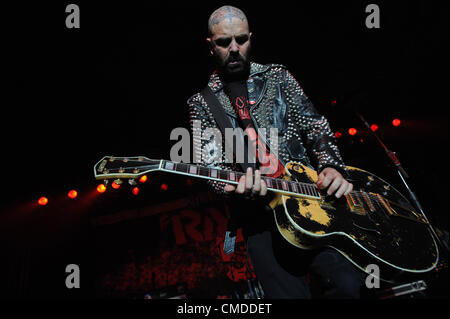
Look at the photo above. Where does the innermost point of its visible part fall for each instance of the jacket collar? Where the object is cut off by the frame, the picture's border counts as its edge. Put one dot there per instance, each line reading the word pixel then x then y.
pixel 255 83
pixel 216 84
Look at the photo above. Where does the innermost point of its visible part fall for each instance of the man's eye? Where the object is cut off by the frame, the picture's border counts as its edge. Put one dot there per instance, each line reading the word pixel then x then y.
pixel 242 39
pixel 223 42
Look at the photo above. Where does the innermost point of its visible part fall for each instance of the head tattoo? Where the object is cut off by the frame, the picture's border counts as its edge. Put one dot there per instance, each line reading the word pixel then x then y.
pixel 225 12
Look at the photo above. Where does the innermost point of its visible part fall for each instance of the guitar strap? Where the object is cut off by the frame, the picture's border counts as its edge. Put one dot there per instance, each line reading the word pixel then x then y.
pixel 224 122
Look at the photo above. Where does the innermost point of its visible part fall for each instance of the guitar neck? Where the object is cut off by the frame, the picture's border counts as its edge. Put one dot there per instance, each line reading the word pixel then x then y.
pixel 233 177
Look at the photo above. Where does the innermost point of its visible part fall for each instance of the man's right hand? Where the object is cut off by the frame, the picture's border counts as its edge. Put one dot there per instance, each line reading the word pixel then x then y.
pixel 247 186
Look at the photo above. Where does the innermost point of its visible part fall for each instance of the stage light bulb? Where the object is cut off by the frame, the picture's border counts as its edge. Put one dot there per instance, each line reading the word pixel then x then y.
pixel 374 127
pixel 115 185
pixel 43 201
pixel 143 179
pixel 352 131
pixel 396 122
pixel 135 190
pixel 101 188
pixel 72 194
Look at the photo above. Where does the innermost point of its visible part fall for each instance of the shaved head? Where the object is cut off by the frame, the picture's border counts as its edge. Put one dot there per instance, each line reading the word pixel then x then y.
pixel 223 13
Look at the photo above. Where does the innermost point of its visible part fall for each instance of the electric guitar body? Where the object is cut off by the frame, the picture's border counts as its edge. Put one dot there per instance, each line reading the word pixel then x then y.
pixel 374 224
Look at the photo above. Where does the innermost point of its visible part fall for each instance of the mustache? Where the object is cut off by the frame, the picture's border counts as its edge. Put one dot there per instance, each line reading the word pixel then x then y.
pixel 237 58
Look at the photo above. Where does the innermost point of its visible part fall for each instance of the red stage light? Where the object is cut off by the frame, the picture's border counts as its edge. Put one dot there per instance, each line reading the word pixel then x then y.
pixel 43 201
pixel 396 122
pixel 101 188
pixel 164 187
pixel 374 127
pixel 333 103
pixel 337 134
pixel 72 194
pixel 115 186
pixel 143 178
pixel 352 131
pixel 135 190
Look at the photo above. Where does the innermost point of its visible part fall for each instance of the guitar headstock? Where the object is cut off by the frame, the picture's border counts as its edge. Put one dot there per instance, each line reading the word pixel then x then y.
pixel 112 167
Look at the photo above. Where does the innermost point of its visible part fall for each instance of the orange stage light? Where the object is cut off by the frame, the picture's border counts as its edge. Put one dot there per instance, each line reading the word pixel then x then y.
pixel 143 178
pixel 72 194
pixel 115 186
pixel 352 131
pixel 43 201
pixel 101 188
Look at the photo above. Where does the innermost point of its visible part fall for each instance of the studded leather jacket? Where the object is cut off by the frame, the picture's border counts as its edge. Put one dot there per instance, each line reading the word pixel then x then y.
pixel 276 101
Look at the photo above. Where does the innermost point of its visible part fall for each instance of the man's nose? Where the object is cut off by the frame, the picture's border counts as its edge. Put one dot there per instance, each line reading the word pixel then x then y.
pixel 234 47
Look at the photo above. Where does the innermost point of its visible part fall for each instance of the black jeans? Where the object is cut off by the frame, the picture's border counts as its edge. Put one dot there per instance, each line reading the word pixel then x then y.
pixel 287 272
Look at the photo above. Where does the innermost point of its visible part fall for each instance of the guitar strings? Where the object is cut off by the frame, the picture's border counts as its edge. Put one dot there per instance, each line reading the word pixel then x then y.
pixel 310 187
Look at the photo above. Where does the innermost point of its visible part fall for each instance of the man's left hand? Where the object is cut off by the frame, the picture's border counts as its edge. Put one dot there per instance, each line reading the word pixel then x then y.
pixel 335 182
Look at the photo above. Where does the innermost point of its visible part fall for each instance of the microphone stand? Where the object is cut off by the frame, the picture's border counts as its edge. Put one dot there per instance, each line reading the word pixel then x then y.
pixel 402 173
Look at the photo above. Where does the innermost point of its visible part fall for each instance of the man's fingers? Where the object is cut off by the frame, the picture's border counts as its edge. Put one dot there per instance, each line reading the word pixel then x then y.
pixel 326 181
pixel 241 185
pixel 257 184
pixel 249 179
pixel 334 186
pixel 229 188
pixel 263 191
pixel 349 189
pixel 342 189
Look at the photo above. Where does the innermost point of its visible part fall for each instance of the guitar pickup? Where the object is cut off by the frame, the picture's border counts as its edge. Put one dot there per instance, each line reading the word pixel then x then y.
pixel 355 204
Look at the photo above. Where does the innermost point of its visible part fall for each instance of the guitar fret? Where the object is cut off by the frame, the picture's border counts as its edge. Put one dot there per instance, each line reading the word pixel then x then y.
pixel 213 173
pixel 223 175
pixel 268 182
pixel 170 166
pixel 278 183
pixel 232 177
pixel 284 185
pixel 180 167
pixel 203 171
pixel 315 191
pixel 193 169
pixel 302 188
pixel 294 187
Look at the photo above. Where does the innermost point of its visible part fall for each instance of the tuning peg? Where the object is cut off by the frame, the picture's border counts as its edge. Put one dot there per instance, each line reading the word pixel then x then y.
pixel 118 181
pixel 132 182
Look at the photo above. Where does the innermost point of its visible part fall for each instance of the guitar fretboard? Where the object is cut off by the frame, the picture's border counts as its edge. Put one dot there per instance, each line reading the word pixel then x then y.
pixel 232 177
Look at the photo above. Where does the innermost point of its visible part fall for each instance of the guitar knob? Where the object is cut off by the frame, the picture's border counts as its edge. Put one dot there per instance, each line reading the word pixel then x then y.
pixel 132 182
pixel 118 181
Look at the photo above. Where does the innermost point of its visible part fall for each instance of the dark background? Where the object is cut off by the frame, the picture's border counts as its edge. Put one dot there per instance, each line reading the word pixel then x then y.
pixel 119 85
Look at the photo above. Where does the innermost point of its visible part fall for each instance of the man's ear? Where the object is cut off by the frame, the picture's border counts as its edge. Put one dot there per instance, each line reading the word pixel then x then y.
pixel 210 45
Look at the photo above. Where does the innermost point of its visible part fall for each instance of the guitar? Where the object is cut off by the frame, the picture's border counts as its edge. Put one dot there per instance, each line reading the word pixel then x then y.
pixel 374 224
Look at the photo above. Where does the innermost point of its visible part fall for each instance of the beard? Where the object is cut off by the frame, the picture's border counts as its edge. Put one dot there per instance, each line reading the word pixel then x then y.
pixel 234 68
